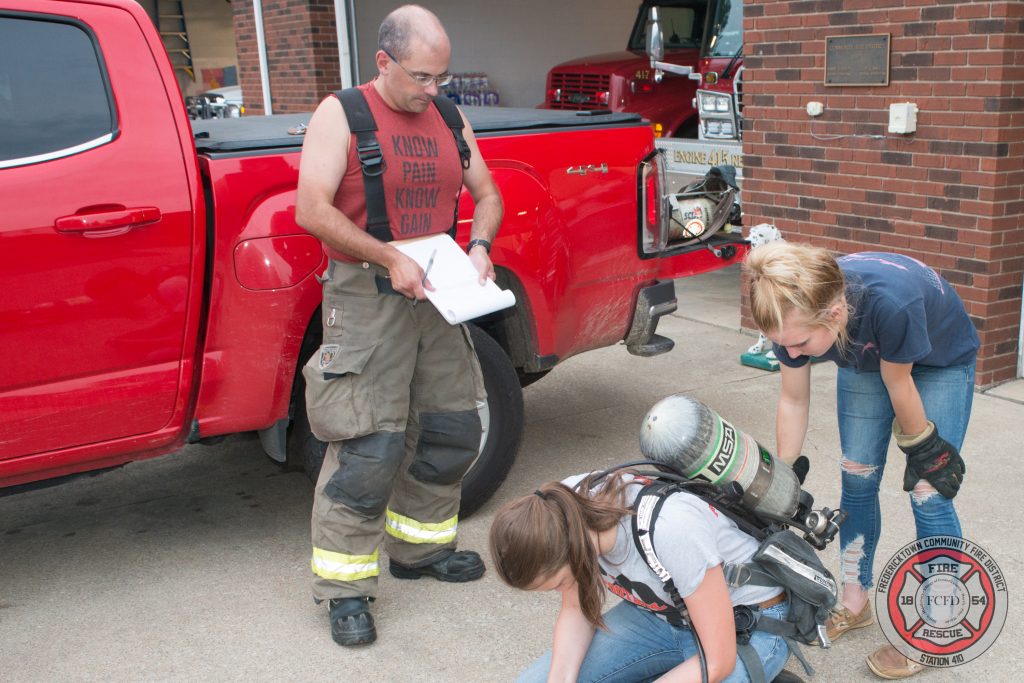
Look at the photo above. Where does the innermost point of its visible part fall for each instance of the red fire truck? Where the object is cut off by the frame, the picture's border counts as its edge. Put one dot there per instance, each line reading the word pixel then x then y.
pixel 720 93
pixel 625 82
pixel 718 98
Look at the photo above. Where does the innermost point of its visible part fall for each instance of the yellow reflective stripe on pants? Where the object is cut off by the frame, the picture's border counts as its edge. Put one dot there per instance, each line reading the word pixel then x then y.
pixel 341 567
pixel 408 529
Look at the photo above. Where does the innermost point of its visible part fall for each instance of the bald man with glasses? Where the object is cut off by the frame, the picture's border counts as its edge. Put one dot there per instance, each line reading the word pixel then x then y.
pixel 393 388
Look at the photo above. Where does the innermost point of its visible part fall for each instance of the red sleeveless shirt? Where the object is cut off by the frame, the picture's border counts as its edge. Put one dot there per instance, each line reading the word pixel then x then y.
pixel 422 177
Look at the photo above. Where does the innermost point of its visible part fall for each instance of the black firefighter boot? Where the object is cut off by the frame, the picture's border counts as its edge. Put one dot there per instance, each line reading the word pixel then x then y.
pixel 351 621
pixel 455 566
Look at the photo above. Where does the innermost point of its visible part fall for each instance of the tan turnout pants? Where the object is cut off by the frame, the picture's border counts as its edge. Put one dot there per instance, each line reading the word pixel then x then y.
pixel 394 389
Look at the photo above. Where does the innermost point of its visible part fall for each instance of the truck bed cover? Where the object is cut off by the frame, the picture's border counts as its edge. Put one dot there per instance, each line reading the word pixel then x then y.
pixel 251 133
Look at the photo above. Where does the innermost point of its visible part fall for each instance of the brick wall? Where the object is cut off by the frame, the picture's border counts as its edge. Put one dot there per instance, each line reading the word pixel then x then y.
pixel 302 54
pixel 950 195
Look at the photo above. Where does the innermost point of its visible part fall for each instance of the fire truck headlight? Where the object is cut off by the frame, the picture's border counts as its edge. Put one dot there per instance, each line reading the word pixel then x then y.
pixel 712 102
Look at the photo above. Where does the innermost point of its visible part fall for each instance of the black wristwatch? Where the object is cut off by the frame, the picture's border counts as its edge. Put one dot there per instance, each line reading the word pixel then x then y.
pixel 483 243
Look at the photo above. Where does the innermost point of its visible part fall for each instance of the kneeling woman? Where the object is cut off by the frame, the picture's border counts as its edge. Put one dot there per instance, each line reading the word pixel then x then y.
pixel 578 539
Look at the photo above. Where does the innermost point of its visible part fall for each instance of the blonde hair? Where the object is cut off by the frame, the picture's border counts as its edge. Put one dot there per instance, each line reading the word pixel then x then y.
pixel 533 537
pixel 785 277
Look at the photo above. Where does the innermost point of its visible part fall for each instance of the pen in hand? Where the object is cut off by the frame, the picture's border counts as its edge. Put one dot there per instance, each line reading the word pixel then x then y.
pixel 426 272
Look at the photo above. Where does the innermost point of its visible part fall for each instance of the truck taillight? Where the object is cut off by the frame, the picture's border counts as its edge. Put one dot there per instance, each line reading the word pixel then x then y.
pixel 654 211
pixel 555 95
pixel 603 97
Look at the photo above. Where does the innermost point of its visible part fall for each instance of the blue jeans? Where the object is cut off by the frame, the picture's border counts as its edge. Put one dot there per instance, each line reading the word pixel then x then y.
pixel 639 646
pixel 865 428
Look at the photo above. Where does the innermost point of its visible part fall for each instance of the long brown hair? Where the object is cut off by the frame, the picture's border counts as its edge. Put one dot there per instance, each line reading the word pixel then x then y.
pixel 786 276
pixel 533 537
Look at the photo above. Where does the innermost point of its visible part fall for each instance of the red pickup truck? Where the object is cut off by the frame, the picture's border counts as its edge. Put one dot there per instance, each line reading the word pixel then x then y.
pixel 156 290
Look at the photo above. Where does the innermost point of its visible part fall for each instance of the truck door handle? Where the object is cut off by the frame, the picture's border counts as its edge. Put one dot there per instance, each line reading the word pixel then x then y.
pixel 108 223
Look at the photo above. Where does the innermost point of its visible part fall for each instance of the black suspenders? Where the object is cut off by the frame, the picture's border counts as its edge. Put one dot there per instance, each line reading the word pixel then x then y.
pixel 364 127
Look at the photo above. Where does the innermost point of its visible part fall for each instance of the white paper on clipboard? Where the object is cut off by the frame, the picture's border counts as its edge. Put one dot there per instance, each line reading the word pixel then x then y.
pixel 458 294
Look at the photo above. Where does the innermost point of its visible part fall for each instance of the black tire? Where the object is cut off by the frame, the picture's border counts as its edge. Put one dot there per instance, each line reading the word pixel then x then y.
pixel 304 450
pixel 505 429
pixel 505 412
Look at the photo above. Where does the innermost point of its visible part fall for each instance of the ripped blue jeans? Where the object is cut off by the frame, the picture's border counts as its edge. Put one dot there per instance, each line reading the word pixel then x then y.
pixel 865 429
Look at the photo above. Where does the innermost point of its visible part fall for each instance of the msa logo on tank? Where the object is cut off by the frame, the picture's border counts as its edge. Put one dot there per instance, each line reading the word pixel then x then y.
pixel 688 435
pixel 726 451
pixel 721 460
pixel 417 195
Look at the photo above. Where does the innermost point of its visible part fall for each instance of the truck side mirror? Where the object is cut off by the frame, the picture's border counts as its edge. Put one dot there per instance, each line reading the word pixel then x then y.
pixel 655 46
pixel 656 51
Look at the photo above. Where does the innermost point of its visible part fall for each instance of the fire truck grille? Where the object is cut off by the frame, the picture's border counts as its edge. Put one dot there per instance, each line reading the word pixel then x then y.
pixel 578 91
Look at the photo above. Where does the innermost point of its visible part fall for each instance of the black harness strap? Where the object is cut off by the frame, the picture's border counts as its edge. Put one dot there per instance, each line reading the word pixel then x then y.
pixel 647 505
pixel 371 159
pixel 364 127
pixel 450 114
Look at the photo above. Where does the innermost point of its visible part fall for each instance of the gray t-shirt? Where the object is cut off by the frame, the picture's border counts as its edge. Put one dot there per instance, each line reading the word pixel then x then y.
pixel 690 537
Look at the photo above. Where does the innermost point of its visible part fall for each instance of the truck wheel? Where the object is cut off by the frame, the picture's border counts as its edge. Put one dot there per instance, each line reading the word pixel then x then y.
pixel 502 418
pixel 304 449
pixel 501 415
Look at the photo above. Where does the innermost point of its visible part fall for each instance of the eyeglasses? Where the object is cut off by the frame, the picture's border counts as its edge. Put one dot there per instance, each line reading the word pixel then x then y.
pixel 421 79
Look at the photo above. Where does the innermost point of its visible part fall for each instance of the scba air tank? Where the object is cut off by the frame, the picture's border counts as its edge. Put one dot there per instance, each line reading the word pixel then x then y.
pixel 686 434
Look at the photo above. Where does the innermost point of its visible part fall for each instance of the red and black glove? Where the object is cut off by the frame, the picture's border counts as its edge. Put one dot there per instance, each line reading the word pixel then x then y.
pixel 932 458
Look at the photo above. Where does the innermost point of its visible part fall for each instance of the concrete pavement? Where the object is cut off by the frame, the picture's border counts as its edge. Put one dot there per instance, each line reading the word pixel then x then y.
pixel 194 566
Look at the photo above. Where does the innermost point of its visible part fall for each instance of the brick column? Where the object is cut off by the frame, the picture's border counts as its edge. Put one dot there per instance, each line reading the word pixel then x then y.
pixel 302 54
pixel 949 195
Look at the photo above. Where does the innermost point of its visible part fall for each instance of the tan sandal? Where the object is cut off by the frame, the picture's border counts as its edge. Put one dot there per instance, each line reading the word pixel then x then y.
pixel 844 620
pixel 887 662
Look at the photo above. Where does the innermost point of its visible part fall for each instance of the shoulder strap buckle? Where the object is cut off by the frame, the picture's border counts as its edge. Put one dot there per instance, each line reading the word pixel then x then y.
pixel 370 157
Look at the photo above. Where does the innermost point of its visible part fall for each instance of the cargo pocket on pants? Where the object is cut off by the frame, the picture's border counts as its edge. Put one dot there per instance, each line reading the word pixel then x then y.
pixel 339 394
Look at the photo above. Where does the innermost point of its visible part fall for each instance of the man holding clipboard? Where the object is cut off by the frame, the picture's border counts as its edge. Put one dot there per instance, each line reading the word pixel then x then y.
pixel 394 387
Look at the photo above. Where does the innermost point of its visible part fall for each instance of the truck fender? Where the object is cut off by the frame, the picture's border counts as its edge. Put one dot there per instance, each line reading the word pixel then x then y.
pixel 531 258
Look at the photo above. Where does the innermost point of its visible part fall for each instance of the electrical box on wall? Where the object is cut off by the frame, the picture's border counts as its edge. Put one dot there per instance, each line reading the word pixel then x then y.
pixel 902 117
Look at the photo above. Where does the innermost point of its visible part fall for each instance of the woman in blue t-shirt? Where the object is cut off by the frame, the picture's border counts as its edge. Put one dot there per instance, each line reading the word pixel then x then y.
pixel 906 352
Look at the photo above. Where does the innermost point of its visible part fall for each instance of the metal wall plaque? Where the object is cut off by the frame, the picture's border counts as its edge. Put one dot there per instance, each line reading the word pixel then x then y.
pixel 857 60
